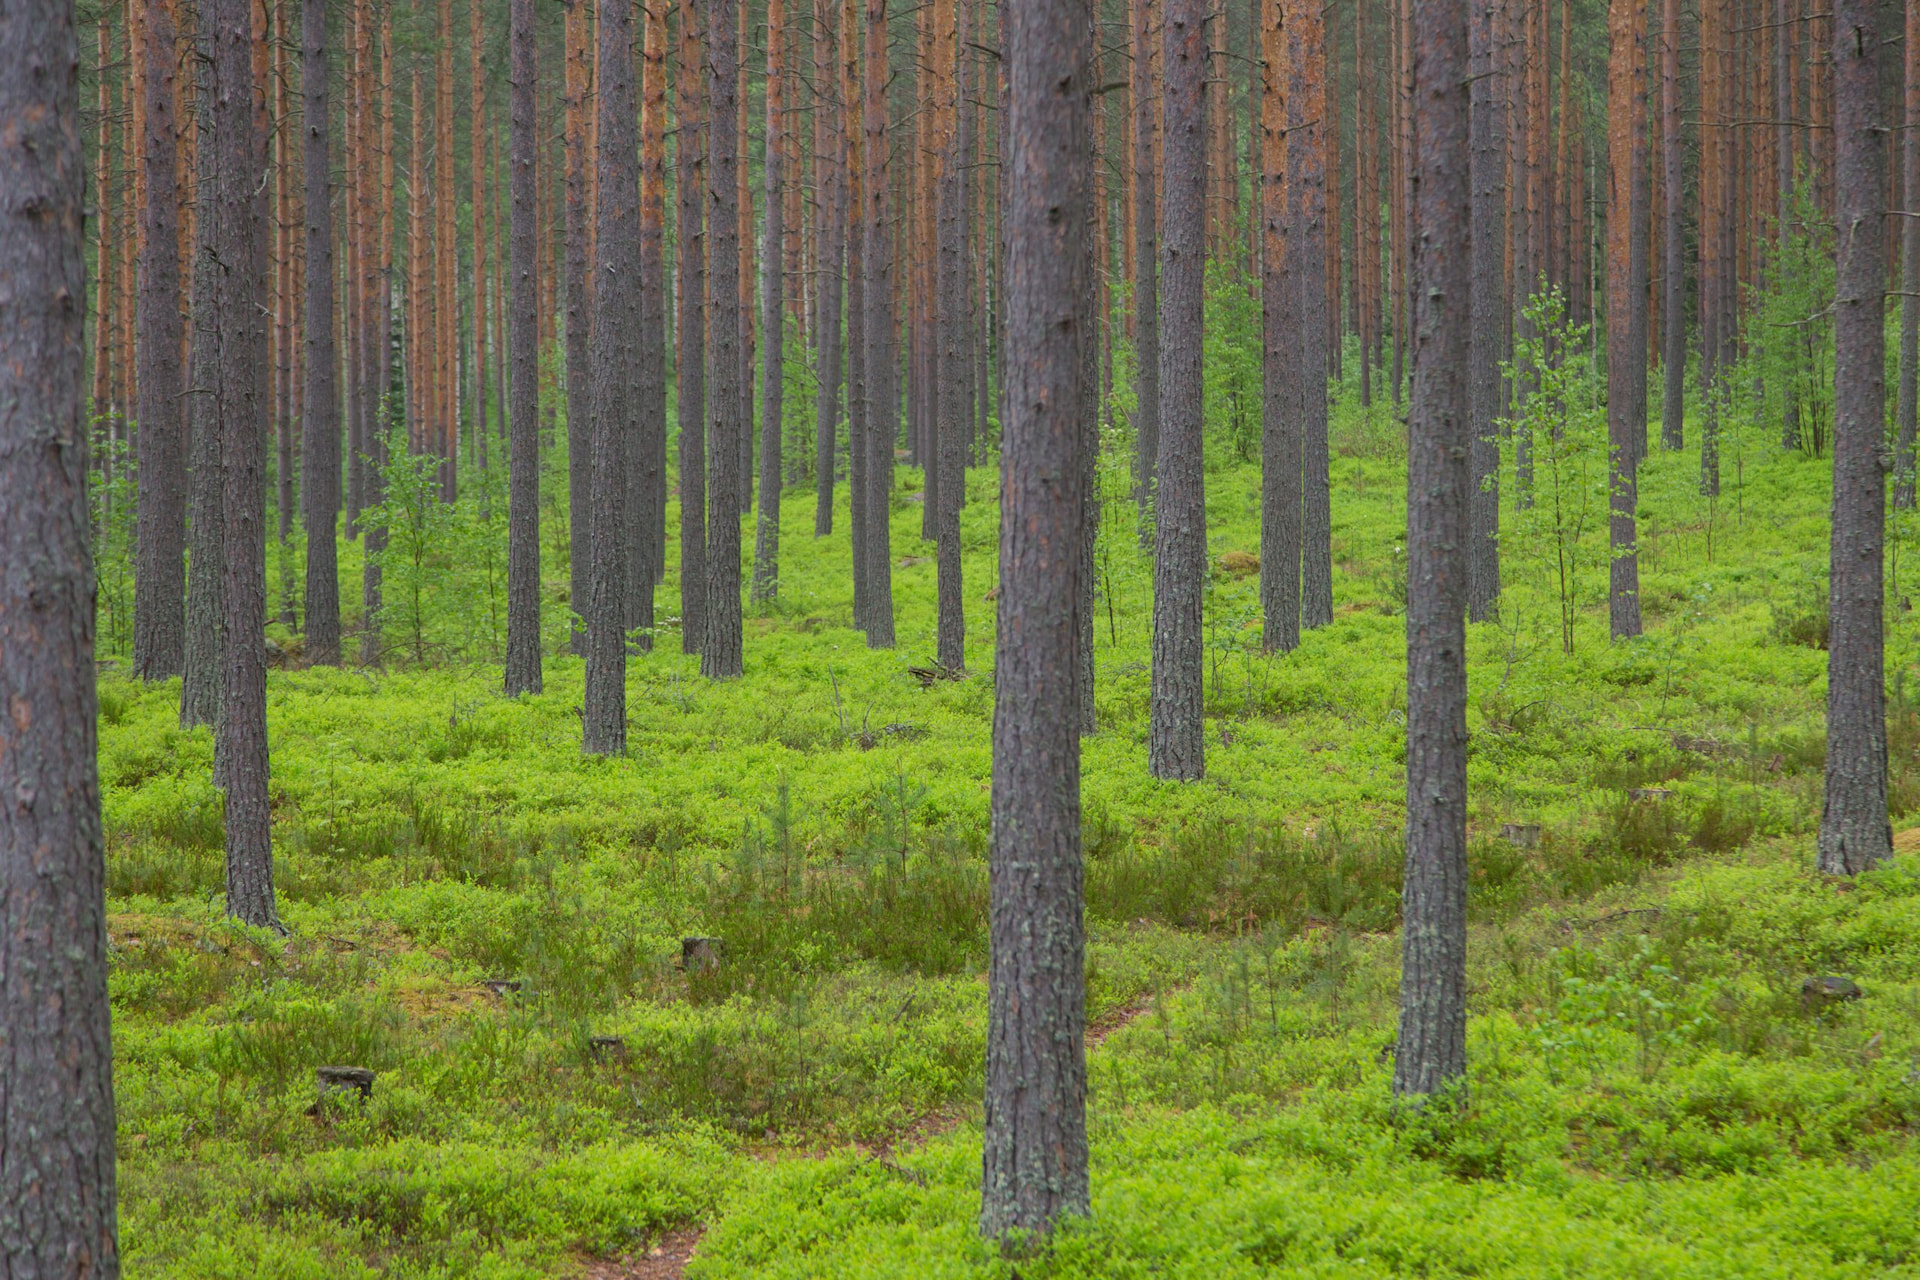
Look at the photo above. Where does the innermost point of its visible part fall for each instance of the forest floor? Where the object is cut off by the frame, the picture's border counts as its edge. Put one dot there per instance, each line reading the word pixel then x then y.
pixel 477 912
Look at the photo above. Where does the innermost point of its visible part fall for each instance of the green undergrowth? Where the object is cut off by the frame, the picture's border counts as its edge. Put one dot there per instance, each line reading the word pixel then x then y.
pixel 476 909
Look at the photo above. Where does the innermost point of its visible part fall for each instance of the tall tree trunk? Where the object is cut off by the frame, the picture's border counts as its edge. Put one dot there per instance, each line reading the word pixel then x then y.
pixel 320 412
pixel 1909 397
pixel 1308 187
pixel 1673 323
pixel 1145 94
pixel 616 380
pixel 1035 1161
pixel 858 392
pixel 690 385
pixel 1176 746
pixel 523 673
pixel 1626 363
pixel 1281 365
pixel 160 578
pixel 235 236
pixel 766 543
pixel 1488 308
pixel 377 411
pixel 882 402
pixel 477 174
pixel 956 374
pixel 647 447
pixel 56 1128
pixel 201 671
pixel 743 184
pixel 1431 1052
pixel 720 656
pixel 579 52
pixel 830 177
pixel 1854 832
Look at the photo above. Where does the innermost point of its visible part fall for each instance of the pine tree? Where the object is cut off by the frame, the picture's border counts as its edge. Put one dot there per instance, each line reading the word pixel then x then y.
pixel 320 413
pixel 523 674
pixel 720 656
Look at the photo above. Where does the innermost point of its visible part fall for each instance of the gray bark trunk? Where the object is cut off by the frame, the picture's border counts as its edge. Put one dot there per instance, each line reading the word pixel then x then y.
pixel 523 674
pixel 616 381
pixel 56 1093
pixel 1854 832
pixel 1281 365
pixel 320 411
pixel 773 331
pixel 830 176
pixel 1432 1049
pixel 1146 252
pixel 720 657
pixel 955 377
pixel 580 435
pixel 1034 1166
pixel 1308 264
pixel 883 403
pixel 160 577
pixel 690 392
pixel 1909 397
pixel 1175 741
pixel 1673 324
pixel 235 217
pixel 1489 308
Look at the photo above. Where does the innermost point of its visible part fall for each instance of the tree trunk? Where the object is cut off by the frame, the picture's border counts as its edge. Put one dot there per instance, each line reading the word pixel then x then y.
pixel 1432 1050
pixel 1035 1160
pixel 160 577
pixel 766 543
pixel 1854 832
pixel 1307 186
pixel 201 672
pixel 720 657
pixel 320 412
pixel 616 378
pixel 645 516
pixel 579 320
pixel 523 673
pixel 1176 746
pixel 1626 363
pixel 56 1127
pixel 830 176
pixel 235 236
pixel 858 393
pixel 1146 253
pixel 1281 365
pixel 1909 399
pixel 1673 323
pixel 1488 308
pixel 377 412
pixel 476 176
pixel 690 389
pixel 955 373
pixel 882 402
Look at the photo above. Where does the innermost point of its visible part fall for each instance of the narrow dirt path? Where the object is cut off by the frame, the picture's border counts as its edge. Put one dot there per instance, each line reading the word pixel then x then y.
pixel 667 1260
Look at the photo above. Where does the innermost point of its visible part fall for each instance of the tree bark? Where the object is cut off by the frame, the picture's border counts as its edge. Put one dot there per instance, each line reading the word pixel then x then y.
pixel 878 367
pixel 1854 831
pixel 616 379
pixel 579 320
pixel 766 543
pixel 523 674
pixel 235 239
pixel 160 576
pixel 720 657
pixel 1307 185
pixel 1626 363
pixel 320 411
pixel 1908 405
pixel 1146 253
pixel 1488 308
pixel 830 175
pixel 1281 364
pixel 1673 324
pixel 57 1196
pixel 851 12
pixel 1035 1159
pixel 1432 1048
pixel 955 373
pixel 1176 746
pixel 690 389
pixel 647 488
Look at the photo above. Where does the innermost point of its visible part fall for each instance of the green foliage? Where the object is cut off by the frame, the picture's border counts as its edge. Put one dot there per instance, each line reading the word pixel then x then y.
pixel 1785 377
pixel 1231 364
